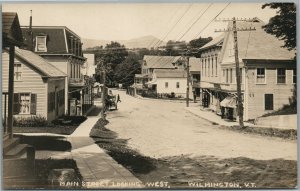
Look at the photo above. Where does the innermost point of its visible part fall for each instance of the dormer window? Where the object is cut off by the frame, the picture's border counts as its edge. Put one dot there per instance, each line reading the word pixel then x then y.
pixel 41 44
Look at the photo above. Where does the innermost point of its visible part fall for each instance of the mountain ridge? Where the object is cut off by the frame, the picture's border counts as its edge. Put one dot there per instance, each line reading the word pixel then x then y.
pixel 148 41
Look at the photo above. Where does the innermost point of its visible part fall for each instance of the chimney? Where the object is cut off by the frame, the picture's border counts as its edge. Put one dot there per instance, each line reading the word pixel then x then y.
pixel 30 32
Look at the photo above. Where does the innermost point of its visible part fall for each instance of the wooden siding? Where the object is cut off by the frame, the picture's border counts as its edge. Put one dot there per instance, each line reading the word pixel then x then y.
pixel 172 86
pixel 255 92
pixel 31 82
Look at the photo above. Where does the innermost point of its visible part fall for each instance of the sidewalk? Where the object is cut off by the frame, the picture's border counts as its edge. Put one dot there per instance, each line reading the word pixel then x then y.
pixel 214 118
pixel 97 168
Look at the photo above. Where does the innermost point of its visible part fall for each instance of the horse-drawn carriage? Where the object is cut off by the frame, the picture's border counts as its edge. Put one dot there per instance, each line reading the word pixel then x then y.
pixel 111 102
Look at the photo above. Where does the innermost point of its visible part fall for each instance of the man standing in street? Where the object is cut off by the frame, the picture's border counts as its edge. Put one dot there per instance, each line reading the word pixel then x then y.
pixel 118 98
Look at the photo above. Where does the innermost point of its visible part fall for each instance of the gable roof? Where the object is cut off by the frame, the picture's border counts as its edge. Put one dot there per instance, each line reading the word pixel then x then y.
pixel 11 30
pixel 161 61
pixel 170 73
pixel 40 64
pixel 195 65
pixel 257 44
pixel 214 42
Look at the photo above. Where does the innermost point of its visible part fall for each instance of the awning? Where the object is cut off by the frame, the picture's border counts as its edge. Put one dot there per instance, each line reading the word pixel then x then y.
pixel 229 101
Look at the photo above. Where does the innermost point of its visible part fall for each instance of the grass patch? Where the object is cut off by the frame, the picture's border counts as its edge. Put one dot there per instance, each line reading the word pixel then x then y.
pixel 271 132
pixel 285 110
pixel 118 150
pixel 64 130
pixel 39 179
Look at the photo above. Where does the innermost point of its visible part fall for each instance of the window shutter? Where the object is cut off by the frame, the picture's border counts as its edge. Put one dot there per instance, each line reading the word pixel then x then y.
pixel 33 104
pixel 16 109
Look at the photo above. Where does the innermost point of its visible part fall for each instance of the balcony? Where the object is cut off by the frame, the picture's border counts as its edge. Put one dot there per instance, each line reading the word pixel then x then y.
pixel 76 82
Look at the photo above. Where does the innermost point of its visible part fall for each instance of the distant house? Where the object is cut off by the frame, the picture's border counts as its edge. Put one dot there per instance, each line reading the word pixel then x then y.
pixel 63 48
pixel 150 63
pixel 195 75
pixel 169 81
pixel 268 72
pixel 39 86
pixel 89 65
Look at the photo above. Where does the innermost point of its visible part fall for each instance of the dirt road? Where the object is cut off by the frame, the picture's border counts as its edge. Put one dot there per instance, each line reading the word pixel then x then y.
pixel 158 128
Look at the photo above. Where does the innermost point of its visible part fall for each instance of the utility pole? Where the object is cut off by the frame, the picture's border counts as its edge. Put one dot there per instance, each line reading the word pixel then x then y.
pixel 240 108
pixel 103 93
pixel 187 81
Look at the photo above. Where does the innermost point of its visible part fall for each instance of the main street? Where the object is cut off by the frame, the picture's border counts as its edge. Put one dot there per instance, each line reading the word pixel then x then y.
pixel 160 128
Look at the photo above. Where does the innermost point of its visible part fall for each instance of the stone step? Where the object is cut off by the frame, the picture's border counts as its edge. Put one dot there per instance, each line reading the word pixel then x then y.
pixel 9 144
pixel 16 151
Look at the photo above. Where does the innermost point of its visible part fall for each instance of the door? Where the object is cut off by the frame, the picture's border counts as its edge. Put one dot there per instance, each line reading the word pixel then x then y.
pixel 56 102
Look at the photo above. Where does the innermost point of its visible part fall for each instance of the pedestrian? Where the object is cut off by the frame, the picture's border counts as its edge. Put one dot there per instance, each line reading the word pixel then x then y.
pixel 118 98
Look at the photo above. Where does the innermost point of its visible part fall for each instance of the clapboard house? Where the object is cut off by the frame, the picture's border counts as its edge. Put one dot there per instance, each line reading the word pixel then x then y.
pixel 61 47
pixel 267 70
pixel 39 87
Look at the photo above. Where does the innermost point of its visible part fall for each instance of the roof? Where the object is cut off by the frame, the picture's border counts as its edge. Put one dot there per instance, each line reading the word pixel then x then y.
pixel 170 73
pixel 141 75
pixel 258 44
pixel 40 64
pixel 58 38
pixel 214 42
pixel 11 28
pixel 161 61
pixel 195 65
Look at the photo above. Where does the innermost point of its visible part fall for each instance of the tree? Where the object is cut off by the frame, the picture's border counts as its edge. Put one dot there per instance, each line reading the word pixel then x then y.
pixel 111 56
pixel 198 43
pixel 283 24
pixel 175 48
pixel 124 73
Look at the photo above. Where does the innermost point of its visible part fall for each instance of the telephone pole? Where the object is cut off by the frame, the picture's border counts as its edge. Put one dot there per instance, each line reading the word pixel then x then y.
pixel 187 81
pixel 103 94
pixel 240 108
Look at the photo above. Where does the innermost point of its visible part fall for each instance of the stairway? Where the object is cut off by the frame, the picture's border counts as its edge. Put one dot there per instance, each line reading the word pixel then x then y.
pixel 18 161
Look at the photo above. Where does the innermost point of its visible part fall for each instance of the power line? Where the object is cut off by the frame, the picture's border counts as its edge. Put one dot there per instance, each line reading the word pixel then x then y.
pixel 195 22
pixel 211 21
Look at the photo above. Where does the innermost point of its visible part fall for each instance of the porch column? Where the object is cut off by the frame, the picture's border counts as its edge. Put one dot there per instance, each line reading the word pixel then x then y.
pixel 10 91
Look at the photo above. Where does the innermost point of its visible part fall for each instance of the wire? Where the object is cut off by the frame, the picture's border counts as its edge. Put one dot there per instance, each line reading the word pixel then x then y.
pixel 195 22
pixel 211 21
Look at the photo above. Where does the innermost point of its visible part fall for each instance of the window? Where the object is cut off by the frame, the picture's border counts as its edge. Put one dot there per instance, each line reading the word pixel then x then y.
pixel 205 67
pixel 166 84
pixel 24 103
pixel 61 97
pixel 208 67
pixel 216 60
pixel 226 75
pixel 41 44
pixel 281 75
pixel 230 75
pixel 202 66
pixel 294 75
pixel 260 75
pixel 212 66
pixel 269 102
pixel 177 85
pixel 17 71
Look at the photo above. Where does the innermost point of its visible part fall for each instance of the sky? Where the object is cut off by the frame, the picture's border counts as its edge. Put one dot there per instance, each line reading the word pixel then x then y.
pixel 124 21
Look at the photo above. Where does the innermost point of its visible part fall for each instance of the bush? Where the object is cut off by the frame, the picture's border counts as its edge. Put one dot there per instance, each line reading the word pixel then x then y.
pixel 74 120
pixel 32 121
